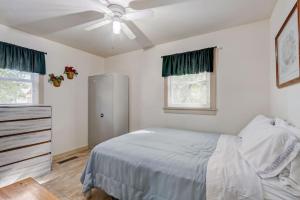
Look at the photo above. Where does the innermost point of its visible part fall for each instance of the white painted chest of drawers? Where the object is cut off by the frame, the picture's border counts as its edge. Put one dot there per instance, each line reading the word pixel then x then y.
pixel 25 142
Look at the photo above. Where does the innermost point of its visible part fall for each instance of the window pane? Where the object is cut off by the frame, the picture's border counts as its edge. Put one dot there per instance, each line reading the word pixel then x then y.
pixel 18 87
pixel 190 91
pixel 12 74
pixel 14 92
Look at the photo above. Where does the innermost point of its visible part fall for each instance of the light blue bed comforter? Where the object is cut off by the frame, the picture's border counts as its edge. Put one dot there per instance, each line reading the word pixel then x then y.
pixel 152 164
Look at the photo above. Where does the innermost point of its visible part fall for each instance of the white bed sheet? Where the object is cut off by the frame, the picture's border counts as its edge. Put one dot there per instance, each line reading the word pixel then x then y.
pixel 275 190
pixel 229 177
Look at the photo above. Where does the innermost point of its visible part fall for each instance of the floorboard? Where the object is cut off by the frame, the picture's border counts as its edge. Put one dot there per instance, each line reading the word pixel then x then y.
pixel 64 180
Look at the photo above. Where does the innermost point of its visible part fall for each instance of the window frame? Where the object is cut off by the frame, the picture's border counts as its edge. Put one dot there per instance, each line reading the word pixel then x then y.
pixel 212 110
pixel 37 88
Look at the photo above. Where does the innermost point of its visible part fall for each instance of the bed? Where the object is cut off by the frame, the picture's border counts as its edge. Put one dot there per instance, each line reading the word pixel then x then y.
pixel 171 164
pixel 262 162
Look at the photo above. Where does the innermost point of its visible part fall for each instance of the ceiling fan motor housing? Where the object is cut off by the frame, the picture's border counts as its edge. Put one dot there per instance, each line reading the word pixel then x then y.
pixel 117 10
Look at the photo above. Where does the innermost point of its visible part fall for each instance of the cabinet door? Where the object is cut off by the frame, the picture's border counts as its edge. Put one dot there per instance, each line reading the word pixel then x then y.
pixel 100 109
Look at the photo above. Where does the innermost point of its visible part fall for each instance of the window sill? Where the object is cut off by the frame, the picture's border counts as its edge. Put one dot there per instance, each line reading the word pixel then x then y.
pixel 193 111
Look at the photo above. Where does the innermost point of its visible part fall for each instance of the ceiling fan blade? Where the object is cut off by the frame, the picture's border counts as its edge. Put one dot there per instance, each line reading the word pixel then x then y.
pixel 141 38
pixel 102 5
pixel 104 9
pixel 95 5
pixel 147 4
pixel 138 15
pixel 55 24
pixel 78 5
pixel 126 30
pixel 47 8
pixel 104 2
pixel 98 25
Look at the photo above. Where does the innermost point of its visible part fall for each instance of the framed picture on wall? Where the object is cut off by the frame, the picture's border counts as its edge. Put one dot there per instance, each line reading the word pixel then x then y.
pixel 287 50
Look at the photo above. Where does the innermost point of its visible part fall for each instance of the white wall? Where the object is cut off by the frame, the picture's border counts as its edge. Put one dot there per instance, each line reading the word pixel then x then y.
pixel 242 80
pixel 285 102
pixel 69 102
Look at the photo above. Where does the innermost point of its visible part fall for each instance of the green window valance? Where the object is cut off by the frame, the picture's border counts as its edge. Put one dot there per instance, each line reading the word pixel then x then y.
pixel 22 59
pixel 192 62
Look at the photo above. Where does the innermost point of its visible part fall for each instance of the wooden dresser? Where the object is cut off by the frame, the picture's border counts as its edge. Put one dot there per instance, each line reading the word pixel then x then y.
pixel 25 142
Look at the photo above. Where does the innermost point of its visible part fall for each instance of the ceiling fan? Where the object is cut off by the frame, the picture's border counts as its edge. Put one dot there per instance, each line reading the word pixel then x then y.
pixel 94 14
pixel 118 16
pixel 121 17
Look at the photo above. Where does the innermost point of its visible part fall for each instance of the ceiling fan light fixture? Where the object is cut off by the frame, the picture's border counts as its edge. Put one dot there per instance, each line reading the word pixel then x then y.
pixel 116 26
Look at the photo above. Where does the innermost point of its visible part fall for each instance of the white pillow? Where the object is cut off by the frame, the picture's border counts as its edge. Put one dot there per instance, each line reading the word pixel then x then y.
pixel 284 124
pixel 257 121
pixel 268 149
pixel 293 178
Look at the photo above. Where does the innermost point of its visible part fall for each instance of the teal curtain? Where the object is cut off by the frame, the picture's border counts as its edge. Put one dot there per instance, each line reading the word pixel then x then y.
pixel 192 62
pixel 22 59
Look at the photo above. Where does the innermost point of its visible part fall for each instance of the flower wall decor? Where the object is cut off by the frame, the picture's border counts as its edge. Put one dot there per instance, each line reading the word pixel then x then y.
pixel 70 72
pixel 55 80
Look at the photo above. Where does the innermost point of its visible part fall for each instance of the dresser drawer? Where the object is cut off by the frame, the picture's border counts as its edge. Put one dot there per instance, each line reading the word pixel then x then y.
pixel 30 168
pixel 25 126
pixel 25 142
pixel 22 140
pixel 18 112
pixel 18 155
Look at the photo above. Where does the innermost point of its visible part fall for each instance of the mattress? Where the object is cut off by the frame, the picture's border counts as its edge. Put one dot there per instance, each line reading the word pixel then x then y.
pixel 152 164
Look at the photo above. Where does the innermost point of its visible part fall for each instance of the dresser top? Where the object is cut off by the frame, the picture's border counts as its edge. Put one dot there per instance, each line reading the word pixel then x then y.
pixel 22 105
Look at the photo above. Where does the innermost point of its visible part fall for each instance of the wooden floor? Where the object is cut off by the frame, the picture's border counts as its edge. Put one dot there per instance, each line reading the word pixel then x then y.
pixel 64 180
pixel 26 189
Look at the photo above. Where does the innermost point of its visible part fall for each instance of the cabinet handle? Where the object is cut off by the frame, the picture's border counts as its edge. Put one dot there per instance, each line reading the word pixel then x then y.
pixel 101 115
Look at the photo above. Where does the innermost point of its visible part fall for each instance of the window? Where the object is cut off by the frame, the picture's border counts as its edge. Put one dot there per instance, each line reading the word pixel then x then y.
pixel 18 87
pixel 193 93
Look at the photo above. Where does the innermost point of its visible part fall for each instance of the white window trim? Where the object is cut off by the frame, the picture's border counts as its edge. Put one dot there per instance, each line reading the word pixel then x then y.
pixel 41 89
pixel 35 88
pixel 200 111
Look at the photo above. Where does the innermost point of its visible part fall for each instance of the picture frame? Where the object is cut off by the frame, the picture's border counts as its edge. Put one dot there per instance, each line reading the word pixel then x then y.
pixel 287 50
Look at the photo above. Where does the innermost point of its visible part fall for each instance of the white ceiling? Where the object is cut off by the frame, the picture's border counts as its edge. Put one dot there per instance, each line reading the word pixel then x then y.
pixel 169 23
